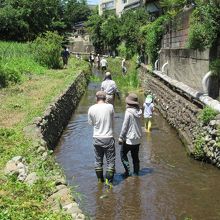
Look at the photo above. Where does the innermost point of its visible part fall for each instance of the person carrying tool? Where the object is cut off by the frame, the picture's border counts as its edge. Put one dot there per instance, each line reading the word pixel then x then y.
pixel 101 116
pixel 148 112
pixel 131 134
pixel 110 88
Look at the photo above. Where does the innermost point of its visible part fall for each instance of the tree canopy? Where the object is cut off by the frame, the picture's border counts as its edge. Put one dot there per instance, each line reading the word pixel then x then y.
pixel 24 19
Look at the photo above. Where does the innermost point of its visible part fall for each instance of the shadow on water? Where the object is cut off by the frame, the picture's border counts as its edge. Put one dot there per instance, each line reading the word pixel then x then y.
pixel 170 186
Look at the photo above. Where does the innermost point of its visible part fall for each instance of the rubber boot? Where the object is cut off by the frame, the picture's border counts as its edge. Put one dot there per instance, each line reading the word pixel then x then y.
pixel 109 179
pixel 136 168
pixel 99 174
pixel 149 126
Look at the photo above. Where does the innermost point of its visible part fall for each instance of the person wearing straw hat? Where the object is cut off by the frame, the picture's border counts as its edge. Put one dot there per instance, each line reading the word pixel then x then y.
pixel 109 86
pixel 101 116
pixel 148 111
pixel 131 134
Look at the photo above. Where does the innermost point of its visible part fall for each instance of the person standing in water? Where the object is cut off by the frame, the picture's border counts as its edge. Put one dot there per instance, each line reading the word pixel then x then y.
pixel 110 88
pixel 148 112
pixel 104 64
pixel 101 117
pixel 131 134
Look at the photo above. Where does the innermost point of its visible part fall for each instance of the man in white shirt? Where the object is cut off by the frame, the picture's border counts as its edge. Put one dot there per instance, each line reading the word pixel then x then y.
pixel 101 116
pixel 103 64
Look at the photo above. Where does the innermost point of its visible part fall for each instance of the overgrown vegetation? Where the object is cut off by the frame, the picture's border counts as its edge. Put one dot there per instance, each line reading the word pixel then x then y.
pixel 153 33
pixel 19 105
pixel 16 62
pixel 126 82
pixel 20 60
pixel 207 114
pixel 46 49
pixel 215 67
pixel 204 25
pixel 198 148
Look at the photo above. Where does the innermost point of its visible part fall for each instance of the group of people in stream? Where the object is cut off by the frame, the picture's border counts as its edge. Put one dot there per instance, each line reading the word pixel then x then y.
pixel 101 117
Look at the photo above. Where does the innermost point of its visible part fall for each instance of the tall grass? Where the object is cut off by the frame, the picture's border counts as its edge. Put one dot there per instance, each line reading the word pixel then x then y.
pixel 14 49
pixel 130 80
pixel 17 61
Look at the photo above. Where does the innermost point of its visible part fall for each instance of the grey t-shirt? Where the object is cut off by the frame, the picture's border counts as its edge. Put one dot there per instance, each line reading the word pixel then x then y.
pixel 101 117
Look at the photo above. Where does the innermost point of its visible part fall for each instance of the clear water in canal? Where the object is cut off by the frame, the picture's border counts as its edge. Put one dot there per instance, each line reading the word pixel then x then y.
pixel 170 186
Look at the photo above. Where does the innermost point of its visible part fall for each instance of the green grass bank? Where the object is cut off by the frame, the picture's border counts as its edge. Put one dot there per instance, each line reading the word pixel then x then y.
pixel 20 104
pixel 17 62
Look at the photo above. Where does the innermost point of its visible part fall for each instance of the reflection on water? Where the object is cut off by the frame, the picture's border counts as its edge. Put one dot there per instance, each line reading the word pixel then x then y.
pixel 170 185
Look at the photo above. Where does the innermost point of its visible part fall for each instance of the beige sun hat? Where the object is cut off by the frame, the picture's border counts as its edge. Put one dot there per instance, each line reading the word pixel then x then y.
pixel 132 99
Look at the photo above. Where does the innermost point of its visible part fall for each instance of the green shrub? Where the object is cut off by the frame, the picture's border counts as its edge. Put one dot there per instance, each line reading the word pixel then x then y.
pixel 207 114
pixel 215 67
pixel 204 26
pixel 47 49
pixel 198 148
pixel 8 74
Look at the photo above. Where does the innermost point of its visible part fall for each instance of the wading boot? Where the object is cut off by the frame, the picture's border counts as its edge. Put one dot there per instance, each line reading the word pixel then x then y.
pixel 99 174
pixel 109 179
pixel 136 169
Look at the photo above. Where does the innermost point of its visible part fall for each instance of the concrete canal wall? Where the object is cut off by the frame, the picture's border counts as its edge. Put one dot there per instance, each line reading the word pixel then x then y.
pixel 181 109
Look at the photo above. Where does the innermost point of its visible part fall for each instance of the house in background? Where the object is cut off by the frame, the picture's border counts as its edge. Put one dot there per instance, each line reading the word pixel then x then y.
pixel 107 5
pixel 120 6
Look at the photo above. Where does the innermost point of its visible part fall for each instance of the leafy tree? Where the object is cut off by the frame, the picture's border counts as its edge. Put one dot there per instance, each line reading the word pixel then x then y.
pixel 131 21
pixel 94 25
pixel 75 11
pixel 171 5
pixel 25 19
pixel 110 29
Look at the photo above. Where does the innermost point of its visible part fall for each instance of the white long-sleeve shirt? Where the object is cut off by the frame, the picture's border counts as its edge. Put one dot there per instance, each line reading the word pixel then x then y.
pixel 101 117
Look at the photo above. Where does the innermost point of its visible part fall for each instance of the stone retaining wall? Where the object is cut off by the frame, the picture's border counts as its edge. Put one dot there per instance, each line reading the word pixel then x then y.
pixel 45 132
pixel 181 110
pixel 57 116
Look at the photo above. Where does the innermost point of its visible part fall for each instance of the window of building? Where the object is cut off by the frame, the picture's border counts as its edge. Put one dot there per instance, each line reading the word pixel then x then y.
pixel 108 5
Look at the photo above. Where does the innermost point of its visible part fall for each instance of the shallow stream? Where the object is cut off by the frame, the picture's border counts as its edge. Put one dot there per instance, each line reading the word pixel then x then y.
pixel 170 186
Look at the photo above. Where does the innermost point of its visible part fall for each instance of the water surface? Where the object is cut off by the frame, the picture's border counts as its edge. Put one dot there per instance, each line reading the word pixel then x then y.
pixel 170 186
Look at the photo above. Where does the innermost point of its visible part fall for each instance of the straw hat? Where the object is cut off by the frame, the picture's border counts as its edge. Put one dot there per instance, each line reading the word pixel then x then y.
pixel 132 99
